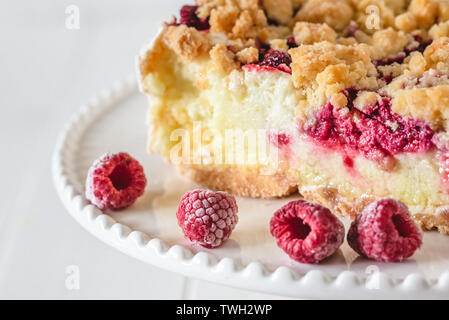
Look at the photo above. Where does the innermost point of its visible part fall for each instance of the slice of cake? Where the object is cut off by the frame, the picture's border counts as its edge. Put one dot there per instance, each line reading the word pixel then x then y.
pixel 345 101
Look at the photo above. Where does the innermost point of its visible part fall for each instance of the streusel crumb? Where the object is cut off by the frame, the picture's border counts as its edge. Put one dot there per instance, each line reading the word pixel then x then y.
pixel 280 11
pixel 187 42
pixel 336 13
pixel 309 61
pixel 437 55
pixel 223 60
pixel 425 11
pixel 248 55
pixel 223 18
pixel 388 42
pixel 279 44
pixel 309 33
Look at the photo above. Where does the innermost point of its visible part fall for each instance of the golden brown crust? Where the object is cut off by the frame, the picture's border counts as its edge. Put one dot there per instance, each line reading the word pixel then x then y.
pixel 246 182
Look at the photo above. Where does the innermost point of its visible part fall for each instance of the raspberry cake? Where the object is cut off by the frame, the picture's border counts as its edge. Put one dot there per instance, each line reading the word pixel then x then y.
pixel 352 96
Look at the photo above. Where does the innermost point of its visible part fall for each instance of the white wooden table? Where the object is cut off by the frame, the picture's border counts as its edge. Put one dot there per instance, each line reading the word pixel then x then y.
pixel 46 72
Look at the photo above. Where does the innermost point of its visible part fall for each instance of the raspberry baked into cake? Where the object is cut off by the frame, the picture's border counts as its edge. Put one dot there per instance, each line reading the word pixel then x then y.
pixel 352 96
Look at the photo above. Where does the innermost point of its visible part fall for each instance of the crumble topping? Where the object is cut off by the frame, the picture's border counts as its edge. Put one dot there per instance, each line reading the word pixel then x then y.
pixel 187 42
pixel 398 48
pixel 280 11
pixel 248 55
pixel 335 13
pixel 309 33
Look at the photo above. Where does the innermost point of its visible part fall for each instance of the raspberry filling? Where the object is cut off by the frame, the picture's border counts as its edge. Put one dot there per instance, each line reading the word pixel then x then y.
pixel 190 18
pixel 271 60
pixel 282 141
pixel 375 132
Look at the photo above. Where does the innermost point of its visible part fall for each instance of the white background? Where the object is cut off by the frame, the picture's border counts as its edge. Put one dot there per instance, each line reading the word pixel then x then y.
pixel 46 73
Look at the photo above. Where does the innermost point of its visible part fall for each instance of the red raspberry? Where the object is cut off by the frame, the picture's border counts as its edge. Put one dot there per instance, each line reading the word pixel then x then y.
pixel 190 18
pixel 385 231
pixel 275 58
pixel 306 231
pixel 291 42
pixel 115 181
pixel 207 217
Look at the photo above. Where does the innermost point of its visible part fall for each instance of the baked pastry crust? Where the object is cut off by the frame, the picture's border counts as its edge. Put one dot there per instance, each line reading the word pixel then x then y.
pixel 246 182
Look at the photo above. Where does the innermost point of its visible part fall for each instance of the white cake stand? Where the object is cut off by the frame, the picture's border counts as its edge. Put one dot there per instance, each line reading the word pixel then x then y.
pixel 114 121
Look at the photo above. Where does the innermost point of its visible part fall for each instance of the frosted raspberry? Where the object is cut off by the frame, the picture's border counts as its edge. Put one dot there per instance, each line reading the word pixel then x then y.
pixel 207 217
pixel 385 231
pixel 190 18
pixel 115 181
pixel 306 231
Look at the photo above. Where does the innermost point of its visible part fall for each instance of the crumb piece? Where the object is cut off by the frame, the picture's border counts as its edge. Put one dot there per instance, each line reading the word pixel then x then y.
pixel 406 22
pixel 443 11
pixel 280 11
pixel 347 41
pixel 424 104
pixel 274 32
pixel 248 4
pixel 437 55
pixel 309 33
pixel 223 18
pixel 398 6
pixel 243 27
pixel 339 100
pixel 187 42
pixel 425 12
pixel 417 64
pixel 310 60
pixel 248 55
pixel 365 98
pixel 279 44
pixel 439 30
pixel 204 8
pixel 336 13
pixel 223 59
pixel 388 42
